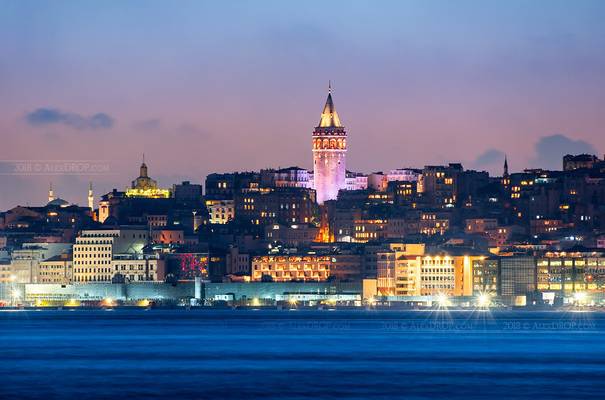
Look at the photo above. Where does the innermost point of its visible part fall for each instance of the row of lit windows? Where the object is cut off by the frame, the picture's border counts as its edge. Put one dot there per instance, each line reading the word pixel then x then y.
pixel 92 262
pixel 91 270
pixel 330 143
pixel 91 248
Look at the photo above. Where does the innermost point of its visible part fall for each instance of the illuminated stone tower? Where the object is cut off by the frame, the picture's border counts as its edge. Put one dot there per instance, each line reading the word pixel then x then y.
pixel 329 153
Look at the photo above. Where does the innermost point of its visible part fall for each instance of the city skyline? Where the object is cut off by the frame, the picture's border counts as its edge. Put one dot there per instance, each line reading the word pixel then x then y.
pixel 519 81
pixel 268 199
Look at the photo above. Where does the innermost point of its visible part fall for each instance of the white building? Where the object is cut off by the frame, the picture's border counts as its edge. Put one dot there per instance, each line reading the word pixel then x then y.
pixel 293 177
pixel 57 270
pixel 403 174
pixel 356 181
pixel 138 268
pixel 25 262
pixel 95 250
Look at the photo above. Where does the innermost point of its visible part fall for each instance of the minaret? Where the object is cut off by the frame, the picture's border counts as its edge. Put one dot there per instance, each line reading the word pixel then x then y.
pixel 505 175
pixel 91 197
pixel 143 171
pixel 505 167
pixel 329 153
pixel 51 193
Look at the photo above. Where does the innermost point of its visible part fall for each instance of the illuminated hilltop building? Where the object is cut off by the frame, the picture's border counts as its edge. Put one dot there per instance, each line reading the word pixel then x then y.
pixel 144 186
pixel 329 153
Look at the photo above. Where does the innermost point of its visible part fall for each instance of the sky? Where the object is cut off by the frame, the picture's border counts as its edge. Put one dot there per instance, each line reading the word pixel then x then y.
pixel 87 87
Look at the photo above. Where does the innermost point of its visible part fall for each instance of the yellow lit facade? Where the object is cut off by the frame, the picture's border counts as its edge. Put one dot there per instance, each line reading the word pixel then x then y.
pixel 149 193
pixel 144 186
pixel 291 268
pixel 570 272
pixel 405 270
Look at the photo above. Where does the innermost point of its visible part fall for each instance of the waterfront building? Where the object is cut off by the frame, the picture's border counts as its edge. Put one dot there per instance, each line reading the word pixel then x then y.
pixel 286 268
pixel 329 153
pixel 57 269
pixel 237 263
pixel 486 273
pixel 398 268
pixel 517 277
pixel 409 270
pixel 5 272
pixel 347 266
pixel 137 268
pixel 25 261
pixel 437 275
pixel 568 272
pixel 95 251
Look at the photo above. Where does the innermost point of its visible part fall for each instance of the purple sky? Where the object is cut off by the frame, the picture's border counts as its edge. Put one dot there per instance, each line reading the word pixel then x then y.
pixel 221 86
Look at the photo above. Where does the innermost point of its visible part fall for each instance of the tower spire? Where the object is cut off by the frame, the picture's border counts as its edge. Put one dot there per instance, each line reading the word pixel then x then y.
pixel 51 192
pixel 505 166
pixel 329 116
pixel 143 169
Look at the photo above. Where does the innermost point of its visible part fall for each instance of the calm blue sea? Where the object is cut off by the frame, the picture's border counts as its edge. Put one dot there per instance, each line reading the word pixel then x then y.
pixel 300 354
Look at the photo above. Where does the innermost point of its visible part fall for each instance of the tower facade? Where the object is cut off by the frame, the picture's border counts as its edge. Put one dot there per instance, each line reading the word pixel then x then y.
pixel 329 153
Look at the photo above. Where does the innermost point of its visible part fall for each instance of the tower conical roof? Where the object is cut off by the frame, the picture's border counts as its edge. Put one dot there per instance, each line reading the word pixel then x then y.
pixel 329 116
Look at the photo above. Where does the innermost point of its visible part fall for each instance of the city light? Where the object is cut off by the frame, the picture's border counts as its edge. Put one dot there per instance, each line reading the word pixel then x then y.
pixel 108 302
pixel 72 303
pixel 255 302
pixel 580 298
pixel 40 303
pixel 484 300
pixel 16 294
pixel 143 303
pixel 442 300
